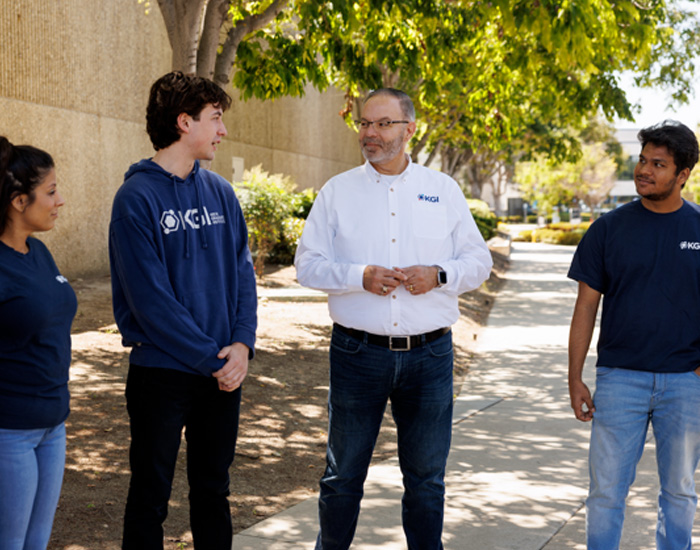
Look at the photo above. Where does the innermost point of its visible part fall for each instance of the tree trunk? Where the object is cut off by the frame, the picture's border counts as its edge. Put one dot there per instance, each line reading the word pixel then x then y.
pixel 182 21
pixel 433 153
pixel 216 13
pixel 499 183
pixel 420 145
pixel 194 31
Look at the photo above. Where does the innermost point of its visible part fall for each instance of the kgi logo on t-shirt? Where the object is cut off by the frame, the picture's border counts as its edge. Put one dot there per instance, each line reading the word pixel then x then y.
pixel 688 245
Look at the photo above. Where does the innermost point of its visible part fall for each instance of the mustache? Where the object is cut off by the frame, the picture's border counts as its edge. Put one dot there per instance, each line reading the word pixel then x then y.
pixel 371 141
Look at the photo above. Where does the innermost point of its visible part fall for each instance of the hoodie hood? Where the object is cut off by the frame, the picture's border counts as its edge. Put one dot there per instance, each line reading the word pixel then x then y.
pixel 156 173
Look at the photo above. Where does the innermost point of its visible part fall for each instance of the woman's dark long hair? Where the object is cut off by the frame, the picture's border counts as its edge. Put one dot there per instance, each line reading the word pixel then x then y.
pixel 22 168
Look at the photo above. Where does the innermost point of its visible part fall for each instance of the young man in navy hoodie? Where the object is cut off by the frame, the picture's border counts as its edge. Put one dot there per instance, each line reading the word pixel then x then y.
pixel 185 302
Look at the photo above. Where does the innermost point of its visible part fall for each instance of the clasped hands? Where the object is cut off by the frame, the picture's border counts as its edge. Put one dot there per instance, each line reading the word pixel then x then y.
pixel 417 279
pixel 231 375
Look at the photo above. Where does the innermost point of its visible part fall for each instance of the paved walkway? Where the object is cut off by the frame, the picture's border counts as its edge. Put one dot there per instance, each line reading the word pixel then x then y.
pixel 517 472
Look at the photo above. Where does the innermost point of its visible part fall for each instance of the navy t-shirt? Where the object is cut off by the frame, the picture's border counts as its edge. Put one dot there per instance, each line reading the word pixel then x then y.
pixel 647 266
pixel 37 306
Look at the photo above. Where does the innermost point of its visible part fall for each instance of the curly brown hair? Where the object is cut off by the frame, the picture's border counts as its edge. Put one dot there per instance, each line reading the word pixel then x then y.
pixel 176 93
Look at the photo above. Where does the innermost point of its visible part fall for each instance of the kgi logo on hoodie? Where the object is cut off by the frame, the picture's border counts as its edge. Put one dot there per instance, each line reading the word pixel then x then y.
pixel 171 221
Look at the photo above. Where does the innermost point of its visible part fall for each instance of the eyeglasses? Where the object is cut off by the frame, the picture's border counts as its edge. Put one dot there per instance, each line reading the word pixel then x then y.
pixel 381 124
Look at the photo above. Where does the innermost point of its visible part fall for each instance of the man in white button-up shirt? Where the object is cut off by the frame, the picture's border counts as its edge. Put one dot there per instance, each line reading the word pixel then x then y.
pixel 393 244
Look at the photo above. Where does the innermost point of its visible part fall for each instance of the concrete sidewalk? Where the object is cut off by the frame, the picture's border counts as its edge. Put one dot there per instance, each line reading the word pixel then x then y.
pixel 517 473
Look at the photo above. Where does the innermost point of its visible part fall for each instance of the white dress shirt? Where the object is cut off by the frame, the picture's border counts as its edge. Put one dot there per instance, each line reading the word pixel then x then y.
pixel 419 217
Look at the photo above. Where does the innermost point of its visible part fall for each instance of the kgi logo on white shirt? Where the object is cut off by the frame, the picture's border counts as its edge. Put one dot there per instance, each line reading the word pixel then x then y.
pixel 428 198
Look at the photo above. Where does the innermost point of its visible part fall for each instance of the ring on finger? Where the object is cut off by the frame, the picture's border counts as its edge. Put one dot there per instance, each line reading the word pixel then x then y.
pixel 410 288
pixel 384 289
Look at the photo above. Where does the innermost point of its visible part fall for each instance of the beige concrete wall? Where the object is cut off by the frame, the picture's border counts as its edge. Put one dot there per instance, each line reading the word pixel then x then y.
pixel 302 137
pixel 74 77
pixel 74 80
pixel 91 155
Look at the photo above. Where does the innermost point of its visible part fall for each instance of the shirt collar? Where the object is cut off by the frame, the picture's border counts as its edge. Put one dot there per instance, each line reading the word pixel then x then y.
pixel 375 175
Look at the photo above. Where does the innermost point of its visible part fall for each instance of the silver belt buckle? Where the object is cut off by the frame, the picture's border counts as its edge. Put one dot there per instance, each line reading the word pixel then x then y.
pixel 403 343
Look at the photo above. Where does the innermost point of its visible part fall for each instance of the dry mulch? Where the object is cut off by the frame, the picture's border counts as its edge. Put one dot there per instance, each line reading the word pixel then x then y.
pixel 281 446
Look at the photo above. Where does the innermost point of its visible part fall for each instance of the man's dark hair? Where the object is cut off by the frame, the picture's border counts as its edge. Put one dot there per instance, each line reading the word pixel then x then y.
pixel 677 138
pixel 409 111
pixel 176 93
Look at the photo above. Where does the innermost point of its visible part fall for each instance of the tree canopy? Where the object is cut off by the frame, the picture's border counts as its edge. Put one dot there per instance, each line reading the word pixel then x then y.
pixel 483 75
pixel 588 180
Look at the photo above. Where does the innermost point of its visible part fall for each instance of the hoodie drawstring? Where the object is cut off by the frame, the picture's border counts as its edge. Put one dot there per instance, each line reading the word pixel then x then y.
pixel 179 209
pixel 202 225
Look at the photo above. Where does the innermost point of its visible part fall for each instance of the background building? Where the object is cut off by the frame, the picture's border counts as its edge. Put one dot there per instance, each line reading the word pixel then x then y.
pixel 74 80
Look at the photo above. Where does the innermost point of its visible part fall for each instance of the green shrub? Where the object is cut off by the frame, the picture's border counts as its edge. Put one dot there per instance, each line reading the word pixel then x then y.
pixel 302 202
pixel 561 226
pixel 545 235
pixel 480 208
pixel 560 233
pixel 524 236
pixel 571 237
pixel 283 252
pixel 266 201
pixel 486 221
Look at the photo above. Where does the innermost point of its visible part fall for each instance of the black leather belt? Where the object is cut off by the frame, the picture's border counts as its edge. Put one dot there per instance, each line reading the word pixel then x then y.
pixel 394 343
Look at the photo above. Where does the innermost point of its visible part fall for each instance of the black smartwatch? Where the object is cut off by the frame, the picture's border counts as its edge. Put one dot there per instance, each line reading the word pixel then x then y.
pixel 441 276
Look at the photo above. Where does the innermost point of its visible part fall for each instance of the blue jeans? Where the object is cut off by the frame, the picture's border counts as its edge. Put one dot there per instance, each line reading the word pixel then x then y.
pixel 160 403
pixel 31 475
pixel 363 377
pixel 626 401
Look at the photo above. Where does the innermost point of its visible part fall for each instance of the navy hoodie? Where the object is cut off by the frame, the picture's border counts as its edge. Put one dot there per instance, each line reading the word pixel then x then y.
pixel 183 284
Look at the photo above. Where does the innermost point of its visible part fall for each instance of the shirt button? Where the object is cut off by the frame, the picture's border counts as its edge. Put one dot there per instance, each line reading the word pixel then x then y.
pixel 396 324
pixel 393 296
pixel 393 240
pixel 393 213
pixel 391 189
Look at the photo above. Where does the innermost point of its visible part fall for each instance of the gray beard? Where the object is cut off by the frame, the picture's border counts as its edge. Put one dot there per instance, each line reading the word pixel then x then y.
pixel 390 150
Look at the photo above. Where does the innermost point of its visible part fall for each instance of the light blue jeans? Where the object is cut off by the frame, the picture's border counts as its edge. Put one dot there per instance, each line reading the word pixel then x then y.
pixel 31 475
pixel 626 401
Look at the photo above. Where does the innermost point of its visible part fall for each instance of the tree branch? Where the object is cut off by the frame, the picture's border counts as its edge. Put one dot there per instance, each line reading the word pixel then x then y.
pixel 216 12
pixel 433 153
pixel 167 11
pixel 438 145
pixel 420 145
pixel 225 60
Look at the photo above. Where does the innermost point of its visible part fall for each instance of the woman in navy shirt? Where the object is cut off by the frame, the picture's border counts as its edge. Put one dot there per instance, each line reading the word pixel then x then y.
pixel 37 306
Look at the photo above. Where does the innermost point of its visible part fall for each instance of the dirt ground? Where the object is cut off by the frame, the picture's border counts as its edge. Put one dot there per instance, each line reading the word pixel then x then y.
pixel 281 446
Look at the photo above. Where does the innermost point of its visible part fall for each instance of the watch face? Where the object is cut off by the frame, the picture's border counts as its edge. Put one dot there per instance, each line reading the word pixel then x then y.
pixel 442 277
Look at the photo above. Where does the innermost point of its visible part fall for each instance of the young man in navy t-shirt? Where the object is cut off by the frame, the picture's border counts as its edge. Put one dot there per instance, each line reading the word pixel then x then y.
pixel 643 258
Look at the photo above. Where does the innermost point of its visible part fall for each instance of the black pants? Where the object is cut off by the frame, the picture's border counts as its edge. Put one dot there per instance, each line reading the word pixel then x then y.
pixel 160 403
